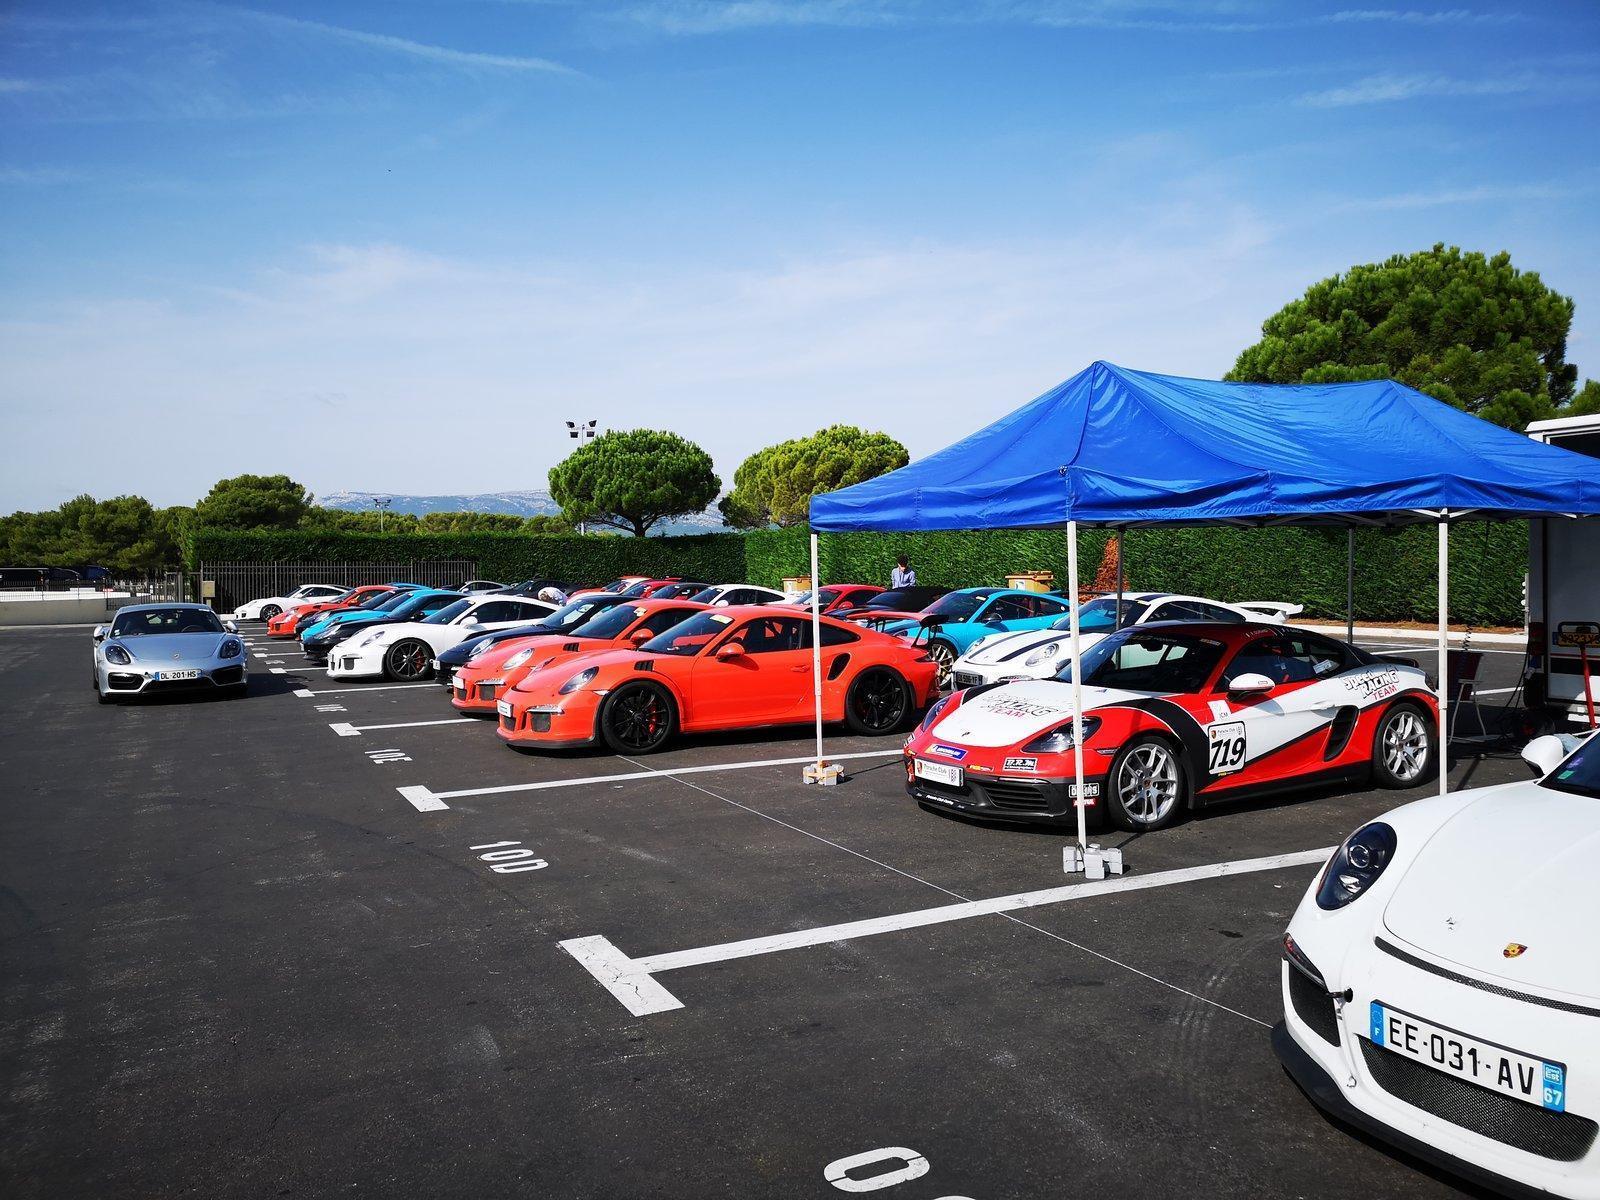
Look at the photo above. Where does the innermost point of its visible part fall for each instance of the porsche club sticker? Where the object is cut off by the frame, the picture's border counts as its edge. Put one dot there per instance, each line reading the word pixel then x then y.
pixel 1227 747
pixel 1021 764
pixel 955 752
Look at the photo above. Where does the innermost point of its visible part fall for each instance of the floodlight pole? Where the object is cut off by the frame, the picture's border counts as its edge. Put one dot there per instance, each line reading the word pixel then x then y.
pixel 1077 686
pixel 1444 651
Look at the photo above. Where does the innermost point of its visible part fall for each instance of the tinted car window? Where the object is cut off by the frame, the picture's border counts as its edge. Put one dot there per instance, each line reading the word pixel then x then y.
pixel 833 635
pixel 165 620
pixel 1149 662
pixel 1008 608
pixel 1288 658
pixel 772 635
pixel 660 622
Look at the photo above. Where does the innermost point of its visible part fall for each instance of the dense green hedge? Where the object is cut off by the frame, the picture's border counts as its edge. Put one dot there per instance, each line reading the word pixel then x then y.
pixel 1395 569
pixel 595 558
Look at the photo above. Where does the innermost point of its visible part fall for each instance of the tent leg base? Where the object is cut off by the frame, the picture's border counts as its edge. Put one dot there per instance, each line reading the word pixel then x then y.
pixel 1091 862
pixel 825 774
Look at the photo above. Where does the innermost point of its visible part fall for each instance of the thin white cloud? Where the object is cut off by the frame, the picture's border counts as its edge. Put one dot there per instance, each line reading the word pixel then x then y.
pixel 1392 88
pixel 687 17
pixel 422 51
pixel 1451 197
pixel 39 176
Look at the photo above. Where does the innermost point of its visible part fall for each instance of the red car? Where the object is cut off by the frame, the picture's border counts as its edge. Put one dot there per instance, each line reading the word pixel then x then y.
pixel 491 675
pixel 283 625
pixel 1178 715
pixel 838 598
pixel 740 667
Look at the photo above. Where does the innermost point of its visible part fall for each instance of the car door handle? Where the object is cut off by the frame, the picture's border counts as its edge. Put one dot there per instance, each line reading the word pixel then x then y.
pixel 799 670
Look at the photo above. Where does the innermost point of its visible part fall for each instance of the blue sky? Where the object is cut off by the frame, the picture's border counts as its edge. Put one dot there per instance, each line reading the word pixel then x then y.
pixel 393 246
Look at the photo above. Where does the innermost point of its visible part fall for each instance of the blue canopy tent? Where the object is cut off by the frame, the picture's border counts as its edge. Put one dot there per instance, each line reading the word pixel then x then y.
pixel 1120 448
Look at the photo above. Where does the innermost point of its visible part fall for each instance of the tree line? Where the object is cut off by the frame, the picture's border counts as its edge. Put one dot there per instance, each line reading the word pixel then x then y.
pixel 1467 329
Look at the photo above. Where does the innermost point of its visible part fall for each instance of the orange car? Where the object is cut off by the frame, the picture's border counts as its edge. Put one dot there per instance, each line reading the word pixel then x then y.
pixel 503 666
pixel 739 667
pixel 283 625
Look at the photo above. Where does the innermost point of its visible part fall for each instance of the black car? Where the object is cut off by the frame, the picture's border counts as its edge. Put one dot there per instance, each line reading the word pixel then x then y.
pixel 560 621
pixel 906 599
pixel 412 606
pixel 532 587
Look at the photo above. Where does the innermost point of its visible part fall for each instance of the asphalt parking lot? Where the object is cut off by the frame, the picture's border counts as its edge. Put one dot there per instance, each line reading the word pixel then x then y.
pixel 248 953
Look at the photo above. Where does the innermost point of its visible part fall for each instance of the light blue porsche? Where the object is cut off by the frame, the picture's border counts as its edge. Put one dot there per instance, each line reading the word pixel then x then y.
pixel 952 623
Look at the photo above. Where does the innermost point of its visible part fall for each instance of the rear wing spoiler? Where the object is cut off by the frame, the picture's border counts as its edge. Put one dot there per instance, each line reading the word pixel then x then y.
pixel 1274 611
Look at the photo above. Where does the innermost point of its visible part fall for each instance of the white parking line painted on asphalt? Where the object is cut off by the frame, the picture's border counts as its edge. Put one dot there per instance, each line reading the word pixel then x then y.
pixel 278 670
pixel 410 793
pixel 345 729
pixel 629 979
pixel 371 687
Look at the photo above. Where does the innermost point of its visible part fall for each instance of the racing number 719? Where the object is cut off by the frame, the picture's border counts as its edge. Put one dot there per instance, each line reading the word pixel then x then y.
pixel 1227 747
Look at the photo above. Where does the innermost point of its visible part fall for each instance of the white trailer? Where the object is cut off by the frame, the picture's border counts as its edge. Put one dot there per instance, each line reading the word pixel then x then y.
pixel 1564 593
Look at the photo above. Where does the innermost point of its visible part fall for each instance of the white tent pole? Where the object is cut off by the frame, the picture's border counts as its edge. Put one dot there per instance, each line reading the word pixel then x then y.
pixel 1117 623
pixel 1077 683
pixel 1444 651
pixel 816 649
pixel 1350 584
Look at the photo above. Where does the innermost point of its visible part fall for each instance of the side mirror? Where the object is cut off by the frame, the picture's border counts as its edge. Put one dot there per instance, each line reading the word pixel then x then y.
pixel 1250 684
pixel 730 650
pixel 230 627
pixel 99 633
pixel 640 636
pixel 1545 754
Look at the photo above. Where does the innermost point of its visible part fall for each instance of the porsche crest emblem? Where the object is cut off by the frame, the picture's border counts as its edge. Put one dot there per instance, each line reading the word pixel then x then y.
pixel 177 656
pixel 1514 950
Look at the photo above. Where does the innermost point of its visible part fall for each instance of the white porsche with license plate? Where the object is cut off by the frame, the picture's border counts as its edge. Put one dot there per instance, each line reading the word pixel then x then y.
pixel 170 676
pixel 1441 984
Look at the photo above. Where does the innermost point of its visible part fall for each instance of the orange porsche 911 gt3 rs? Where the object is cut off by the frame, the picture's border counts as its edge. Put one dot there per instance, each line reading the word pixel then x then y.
pixel 283 625
pixel 479 685
pixel 728 668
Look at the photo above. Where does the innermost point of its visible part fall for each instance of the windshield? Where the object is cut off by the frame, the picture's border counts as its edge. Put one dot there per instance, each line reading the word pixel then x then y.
pixel 414 603
pixel 956 606
pixel 678 591
pixel 707 595
pixel 689 637
pixel 448 613
pixel 393 601
pixel 637 590
pixel 611 623
pixel 1580 774
pixel 1136 661
pixel 165 620
pixel 825 597
pixel 576 613
pixel 1097 616
pixel 374 600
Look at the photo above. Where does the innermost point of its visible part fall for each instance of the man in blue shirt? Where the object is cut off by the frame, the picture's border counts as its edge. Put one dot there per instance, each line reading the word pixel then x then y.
pixel 903 576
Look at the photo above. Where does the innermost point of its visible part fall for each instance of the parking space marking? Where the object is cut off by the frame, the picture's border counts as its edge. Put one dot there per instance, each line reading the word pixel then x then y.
pixel 278 670
pixel 630 979
pixel 437 799
pixel 371 687
pixel 345 729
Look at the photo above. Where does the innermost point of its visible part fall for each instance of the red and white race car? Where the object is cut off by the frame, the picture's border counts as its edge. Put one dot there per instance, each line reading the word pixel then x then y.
pixel 1178 715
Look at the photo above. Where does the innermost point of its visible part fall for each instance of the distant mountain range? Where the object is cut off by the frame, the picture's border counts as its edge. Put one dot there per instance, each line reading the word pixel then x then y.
pixel 534 503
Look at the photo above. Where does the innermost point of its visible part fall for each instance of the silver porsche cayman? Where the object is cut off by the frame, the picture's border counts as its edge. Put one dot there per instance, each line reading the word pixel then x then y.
pixel 150 649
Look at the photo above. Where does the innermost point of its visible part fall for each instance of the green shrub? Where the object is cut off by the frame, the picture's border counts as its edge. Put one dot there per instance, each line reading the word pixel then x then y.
pixel 1395 569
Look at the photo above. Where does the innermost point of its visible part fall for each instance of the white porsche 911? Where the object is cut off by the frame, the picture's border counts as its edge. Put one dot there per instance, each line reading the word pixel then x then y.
pixel 405 650
pixel 1039 653
pixel 268 607
pixel 1441 979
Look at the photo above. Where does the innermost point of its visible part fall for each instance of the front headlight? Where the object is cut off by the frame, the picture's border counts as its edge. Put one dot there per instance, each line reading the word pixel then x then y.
pixel 117 656
pixel 520 657
pixel 1043 654
pixel 1059 739
pixel 581 680
pixel 478 649
pixel 230 649
pixel 932 714
pixel 1356 865
pixel 377 635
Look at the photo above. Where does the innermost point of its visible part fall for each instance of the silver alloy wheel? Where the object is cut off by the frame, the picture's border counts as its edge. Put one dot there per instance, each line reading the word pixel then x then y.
pixel 1405 745
pixel 1147 783
pixel 944 659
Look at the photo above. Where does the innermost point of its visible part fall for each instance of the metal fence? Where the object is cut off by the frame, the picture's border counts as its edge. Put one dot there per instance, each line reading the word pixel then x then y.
pixel 240 582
